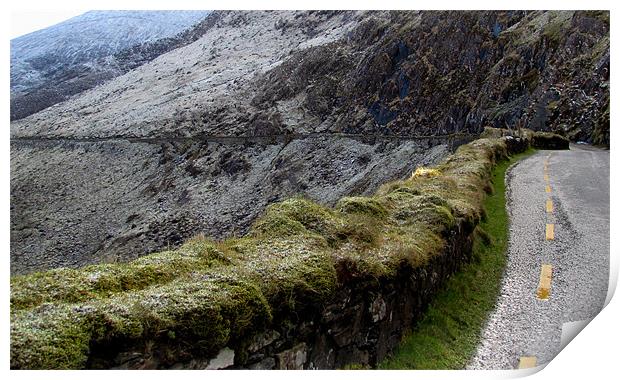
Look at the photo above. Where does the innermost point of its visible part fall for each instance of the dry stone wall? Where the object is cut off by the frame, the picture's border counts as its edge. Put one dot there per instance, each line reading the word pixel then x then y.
pixel 271 303
pixel 361 324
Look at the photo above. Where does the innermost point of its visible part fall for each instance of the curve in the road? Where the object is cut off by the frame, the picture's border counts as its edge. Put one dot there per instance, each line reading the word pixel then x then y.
pixel 558 257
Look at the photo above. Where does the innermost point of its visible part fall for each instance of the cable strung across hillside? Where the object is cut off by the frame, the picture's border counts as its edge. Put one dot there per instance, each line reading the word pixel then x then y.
pixel 243 139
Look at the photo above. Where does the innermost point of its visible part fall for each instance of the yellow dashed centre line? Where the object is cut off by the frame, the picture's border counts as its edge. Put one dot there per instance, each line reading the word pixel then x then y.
pixel 527 362
pixel 546 272
pixel 549 231
pixel 544 286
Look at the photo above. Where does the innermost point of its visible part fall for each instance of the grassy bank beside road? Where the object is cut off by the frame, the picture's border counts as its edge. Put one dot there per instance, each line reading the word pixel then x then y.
pixel 447 336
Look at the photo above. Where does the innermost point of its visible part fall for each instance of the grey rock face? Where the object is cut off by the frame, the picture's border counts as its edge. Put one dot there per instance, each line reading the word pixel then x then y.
pixel 295 358
pixel 225 358
pixel 378 309
pixel 263 340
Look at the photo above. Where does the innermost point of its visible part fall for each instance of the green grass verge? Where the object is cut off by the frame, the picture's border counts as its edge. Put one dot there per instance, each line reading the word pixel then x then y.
pixel 448 334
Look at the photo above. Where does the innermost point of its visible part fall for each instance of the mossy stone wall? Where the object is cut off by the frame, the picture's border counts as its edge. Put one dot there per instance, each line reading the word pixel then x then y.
pixel 360 324
pixel 309 287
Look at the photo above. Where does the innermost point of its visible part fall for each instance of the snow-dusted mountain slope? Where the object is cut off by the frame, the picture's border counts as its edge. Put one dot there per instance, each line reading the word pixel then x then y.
pixel 211 79
pixel 82 51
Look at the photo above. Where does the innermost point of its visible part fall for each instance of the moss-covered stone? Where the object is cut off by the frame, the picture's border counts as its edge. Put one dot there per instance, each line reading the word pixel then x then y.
pixel 363 205
pixel 103 280
pixel 275 224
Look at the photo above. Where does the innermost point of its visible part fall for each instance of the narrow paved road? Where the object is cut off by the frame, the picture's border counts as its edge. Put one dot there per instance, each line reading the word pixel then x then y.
pixel 558 261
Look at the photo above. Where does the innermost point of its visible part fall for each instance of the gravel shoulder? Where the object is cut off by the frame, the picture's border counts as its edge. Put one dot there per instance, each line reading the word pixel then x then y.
pixel 522 324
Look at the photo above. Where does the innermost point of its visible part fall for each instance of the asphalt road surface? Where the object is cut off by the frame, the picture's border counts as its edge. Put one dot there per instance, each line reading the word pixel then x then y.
pixel 558 257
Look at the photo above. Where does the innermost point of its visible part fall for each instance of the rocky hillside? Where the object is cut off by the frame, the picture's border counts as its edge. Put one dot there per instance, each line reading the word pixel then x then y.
pixel 265 105
pixel 49 65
